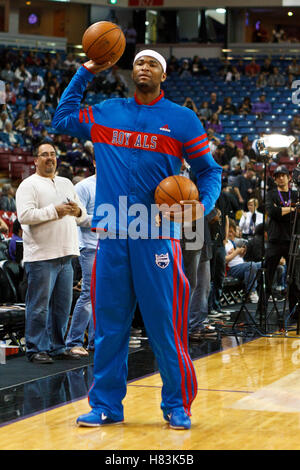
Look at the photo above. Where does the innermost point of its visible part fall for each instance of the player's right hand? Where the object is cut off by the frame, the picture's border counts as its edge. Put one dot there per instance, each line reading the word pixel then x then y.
pixel 96 68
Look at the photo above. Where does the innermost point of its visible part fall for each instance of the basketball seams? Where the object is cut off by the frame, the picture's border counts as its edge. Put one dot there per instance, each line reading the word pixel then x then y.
pixel 169 195
pixel 109 50
pixel 99 37
pixel 175 178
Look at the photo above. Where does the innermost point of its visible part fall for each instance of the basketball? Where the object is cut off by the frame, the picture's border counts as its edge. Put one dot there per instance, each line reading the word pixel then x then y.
pixel 104 42
pixel 174 189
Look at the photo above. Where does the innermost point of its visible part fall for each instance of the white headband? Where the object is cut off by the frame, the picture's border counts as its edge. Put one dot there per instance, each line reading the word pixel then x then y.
pixel 154 54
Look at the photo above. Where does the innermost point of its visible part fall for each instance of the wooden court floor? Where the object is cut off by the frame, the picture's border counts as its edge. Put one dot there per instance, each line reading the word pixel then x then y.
pixel 248 399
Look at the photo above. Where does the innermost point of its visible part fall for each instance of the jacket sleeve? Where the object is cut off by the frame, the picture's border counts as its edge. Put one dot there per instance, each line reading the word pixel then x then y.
pixel 273 210
pixel 198 155
pixel 69 117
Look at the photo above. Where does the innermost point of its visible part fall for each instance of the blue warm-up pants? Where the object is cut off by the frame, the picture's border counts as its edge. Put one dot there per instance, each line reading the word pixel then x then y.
pixel 130 271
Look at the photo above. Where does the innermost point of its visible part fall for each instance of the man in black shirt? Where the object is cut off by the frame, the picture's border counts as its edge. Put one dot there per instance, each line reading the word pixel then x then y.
pixel 279 206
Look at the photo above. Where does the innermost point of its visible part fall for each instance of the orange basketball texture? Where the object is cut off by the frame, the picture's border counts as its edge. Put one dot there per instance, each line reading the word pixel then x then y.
pixel 104 42
pixel 174 189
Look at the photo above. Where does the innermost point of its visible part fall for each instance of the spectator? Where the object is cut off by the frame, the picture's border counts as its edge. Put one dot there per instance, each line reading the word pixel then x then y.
pixel 267 68
pixel 294 68
pixel 17 233
pixel 116 83
pixel 294 148
pixel 215 124
pixel 240 159
pixel 20 124
pixel 60 146
pixel 228 108
pixel 33 86
pixel 185 69
pixel 213 104
pixel 200 293
pixel 252 69
pixel 238 268
pixel 219 234
pixel 230 147
pixel 278 34
pixel 295 125
pixel 241 67
pixel 221 157
pixel 262 106
pixel 36 125
pixel 172 65
pixel 213 141
pixel 189 103
pixel 4 119
pixel 4 230
pixel 259 34
pixel 198 68
pixel 15 87
pixel 52 97
pixel 7 75
pixel 244 186
pixel 255 245
pixel 233 75
pixel 7 200
pixel 290 81
pixel 262 80
pixel 10 137
pixel 245 106
pixel 232 199
pixel 82 314
pixel 29 139
pixel 70 62
pixel 276 78
pixel 43 113
pixel 65 170
pixel 250 219
pixel 204 112
pixel 10 97
pixel 48 209
pixel 29 112
pixel 224 68
pixel 22 74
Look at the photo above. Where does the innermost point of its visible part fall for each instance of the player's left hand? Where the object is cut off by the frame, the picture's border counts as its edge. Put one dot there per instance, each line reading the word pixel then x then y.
pixel 185 211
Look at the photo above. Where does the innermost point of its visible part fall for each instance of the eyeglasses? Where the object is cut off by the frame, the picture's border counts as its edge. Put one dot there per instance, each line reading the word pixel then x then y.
pixel 47 154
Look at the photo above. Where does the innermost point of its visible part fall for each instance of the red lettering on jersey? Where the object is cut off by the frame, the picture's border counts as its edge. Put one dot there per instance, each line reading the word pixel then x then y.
pixel 139 140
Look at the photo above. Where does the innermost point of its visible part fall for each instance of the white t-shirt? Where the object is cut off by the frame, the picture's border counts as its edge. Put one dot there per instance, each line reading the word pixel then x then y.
pixel 237 259
pixel 45 236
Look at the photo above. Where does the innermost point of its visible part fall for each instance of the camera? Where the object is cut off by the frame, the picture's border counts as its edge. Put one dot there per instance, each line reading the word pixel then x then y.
pixel 240 242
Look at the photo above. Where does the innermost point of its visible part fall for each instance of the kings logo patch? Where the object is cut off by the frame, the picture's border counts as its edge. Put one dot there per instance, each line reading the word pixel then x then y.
pixel 162 261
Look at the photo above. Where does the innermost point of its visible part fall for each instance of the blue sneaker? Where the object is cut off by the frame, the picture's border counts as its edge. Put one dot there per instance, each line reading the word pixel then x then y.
pixel 177 419
pixel 96 418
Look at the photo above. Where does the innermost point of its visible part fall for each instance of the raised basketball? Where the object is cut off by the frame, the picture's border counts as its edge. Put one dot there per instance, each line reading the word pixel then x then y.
pixel 104 42
pixel 174 189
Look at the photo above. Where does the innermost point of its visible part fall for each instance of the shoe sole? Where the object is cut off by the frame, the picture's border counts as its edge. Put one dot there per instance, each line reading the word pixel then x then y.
pixel 178 428
pixel 85 425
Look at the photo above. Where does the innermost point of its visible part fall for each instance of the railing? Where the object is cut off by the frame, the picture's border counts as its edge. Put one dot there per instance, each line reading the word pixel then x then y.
pixel 21 41
pixel 284 49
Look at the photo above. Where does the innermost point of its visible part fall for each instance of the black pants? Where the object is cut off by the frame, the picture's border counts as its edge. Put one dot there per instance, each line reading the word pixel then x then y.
pixel 274 252
pixel 217 269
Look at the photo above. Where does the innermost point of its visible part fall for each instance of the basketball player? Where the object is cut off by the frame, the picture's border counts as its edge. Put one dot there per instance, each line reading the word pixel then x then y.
pixel 138 142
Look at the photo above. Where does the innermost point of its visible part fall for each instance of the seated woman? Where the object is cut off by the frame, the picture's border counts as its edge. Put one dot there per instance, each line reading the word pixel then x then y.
pixel 215 124
pixel 250 219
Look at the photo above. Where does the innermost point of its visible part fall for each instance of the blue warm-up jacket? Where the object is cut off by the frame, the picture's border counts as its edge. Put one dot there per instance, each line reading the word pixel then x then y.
pixel 137 146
